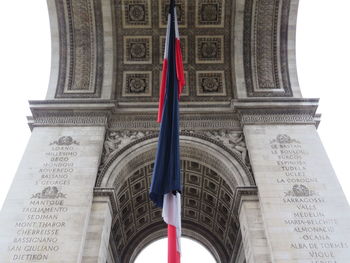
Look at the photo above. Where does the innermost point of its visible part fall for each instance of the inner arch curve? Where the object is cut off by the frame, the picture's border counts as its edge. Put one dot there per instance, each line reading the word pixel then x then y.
pixel 210 174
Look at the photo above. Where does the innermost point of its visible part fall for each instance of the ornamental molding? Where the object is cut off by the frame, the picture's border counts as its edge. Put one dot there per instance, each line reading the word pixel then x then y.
pixel 81 49
pixel 229 121
pixel 110 193
pixel 282 111
pixel 46 119
pixel 266 48
pixel 242 192
pixel 278 118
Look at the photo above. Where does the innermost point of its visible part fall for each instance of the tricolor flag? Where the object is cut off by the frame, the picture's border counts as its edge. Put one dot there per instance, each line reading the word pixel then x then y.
pixel 166 180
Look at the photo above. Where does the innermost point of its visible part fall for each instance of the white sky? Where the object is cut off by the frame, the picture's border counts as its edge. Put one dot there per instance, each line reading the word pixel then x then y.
pixel 323 57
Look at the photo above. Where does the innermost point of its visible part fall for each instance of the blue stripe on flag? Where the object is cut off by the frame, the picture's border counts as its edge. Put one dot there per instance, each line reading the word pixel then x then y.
pixel 166 172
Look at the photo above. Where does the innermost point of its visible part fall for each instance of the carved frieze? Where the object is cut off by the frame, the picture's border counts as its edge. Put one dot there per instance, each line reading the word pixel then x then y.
pixel 192 122
pixel 277 118
pixel 45 119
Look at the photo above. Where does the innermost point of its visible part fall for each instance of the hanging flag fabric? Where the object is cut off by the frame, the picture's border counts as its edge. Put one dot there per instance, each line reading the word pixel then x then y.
pixel 166 179
pixel 174 42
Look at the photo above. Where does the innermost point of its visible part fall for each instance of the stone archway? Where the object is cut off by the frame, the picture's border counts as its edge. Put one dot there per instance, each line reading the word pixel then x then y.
pixel 211 175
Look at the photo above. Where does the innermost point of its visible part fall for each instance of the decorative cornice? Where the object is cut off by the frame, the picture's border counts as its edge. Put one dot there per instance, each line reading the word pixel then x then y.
pixel 69 113
pixel 239 193
pixel 188 121
pixel 67 118
pixel 110 193
pixel 287 111
pixel 277 118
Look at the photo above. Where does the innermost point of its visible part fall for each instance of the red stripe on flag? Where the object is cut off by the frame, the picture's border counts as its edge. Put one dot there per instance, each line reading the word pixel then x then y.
pixel 179 66
pixel 162 90
pixel 173 254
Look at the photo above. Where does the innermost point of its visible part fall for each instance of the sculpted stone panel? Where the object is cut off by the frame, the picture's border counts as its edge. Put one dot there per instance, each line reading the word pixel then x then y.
pixel 209 49
pixel 211 83
pixel 81 48
pixel 137 83
pixel 210 13
pixel 138 50
pixel 136 13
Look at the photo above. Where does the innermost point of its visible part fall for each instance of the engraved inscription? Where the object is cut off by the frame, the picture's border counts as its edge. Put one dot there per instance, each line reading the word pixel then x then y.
pixel 38 232
pixel 314 228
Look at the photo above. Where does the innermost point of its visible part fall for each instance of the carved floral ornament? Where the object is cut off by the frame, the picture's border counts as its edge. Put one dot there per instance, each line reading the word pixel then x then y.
pixel 117 140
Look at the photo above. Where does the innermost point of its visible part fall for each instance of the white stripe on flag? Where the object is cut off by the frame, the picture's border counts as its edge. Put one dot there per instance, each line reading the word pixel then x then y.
pixel 177 34
pixel 172 214
pixel 167 37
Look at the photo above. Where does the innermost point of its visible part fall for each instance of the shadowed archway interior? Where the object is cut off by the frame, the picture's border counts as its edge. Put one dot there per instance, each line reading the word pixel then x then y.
pixel 207 207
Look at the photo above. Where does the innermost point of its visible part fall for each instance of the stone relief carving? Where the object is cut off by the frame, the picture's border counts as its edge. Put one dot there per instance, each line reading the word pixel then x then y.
pixel 136 13
pixel 137 83
pixel 65 140
pixel 233 140
pixel 209 49
pixel 211 83
pixel 300 190
pixel 210 13
pixel 283 139
pixel 137 50
pixel 116 140
pixel 49 193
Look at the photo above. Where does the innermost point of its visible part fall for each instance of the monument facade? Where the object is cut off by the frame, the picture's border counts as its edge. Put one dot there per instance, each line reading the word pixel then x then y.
pixel 257 184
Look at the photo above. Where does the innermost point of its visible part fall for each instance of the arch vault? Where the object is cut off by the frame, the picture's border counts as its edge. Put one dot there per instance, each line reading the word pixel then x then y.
pixel 257 184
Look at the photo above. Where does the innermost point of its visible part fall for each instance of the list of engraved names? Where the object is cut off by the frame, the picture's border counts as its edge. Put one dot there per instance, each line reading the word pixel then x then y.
pixel 308 218
pixel 43 217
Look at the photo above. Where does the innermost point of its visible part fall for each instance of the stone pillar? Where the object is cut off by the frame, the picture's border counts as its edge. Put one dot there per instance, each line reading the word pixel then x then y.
pixel 253 232
pixel 98 233
pixel 45 215
pixel 305 212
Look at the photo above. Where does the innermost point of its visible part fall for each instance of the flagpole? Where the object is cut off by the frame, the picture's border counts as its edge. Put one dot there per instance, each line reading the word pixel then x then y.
pixel 173 253
pixel 166 178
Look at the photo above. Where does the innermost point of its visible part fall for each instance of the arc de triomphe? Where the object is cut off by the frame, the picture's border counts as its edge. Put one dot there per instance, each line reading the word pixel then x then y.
pixel 257 184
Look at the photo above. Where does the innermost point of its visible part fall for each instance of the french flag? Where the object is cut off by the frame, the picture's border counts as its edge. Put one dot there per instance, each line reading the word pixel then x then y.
pixel 166 179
